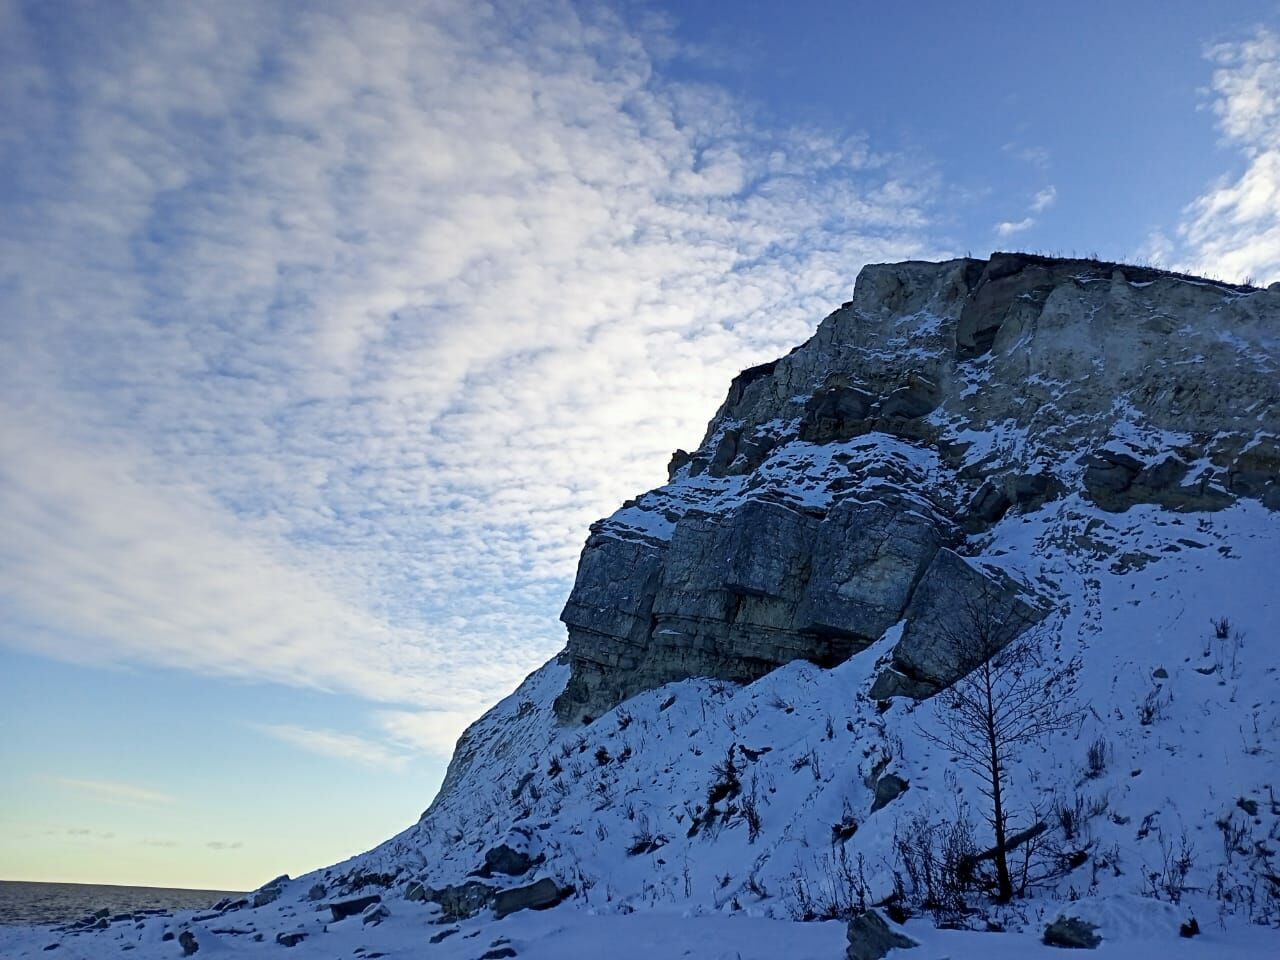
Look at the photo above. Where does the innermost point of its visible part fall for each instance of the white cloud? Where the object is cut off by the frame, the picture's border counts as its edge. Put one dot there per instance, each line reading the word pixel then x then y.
pixel 1042 201
pixel 1233 229
pixel 332 743
pixel 1045 199
pixel 329 331
pixel 431 731
pixel 113 790
pixel 1008 228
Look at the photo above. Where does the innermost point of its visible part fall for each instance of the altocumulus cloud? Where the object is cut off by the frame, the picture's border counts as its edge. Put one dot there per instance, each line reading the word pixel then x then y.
pixel 330 327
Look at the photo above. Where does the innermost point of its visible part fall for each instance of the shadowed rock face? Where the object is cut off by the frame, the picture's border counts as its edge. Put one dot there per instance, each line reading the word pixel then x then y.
pixel 838 489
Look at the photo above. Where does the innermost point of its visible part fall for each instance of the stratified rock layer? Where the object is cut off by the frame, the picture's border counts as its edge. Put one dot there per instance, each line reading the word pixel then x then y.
pixel 838 489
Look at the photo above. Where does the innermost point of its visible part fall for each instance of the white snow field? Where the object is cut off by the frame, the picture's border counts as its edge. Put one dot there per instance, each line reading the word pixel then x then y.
pixel 1189 722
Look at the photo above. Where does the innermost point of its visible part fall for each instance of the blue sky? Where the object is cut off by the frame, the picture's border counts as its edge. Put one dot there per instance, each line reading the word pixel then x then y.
pixel 329 328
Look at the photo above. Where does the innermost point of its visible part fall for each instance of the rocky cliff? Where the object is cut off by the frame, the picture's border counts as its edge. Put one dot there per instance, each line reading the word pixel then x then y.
pixel 843 488
pixel 755 645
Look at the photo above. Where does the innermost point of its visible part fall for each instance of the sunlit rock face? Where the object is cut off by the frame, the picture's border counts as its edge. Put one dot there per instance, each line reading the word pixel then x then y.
pixel 839 489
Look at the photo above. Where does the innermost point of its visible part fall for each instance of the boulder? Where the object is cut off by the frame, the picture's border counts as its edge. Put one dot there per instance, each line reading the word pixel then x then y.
pixel 270 891
pixel 535 896
pixel 349 908
pixel 1072 932
pixel 187 941
pixel 507 860
pixel 870 938
pixel 937 617
pixel 888 789
pixel 990 503
pixel 290 939
pixel 459 901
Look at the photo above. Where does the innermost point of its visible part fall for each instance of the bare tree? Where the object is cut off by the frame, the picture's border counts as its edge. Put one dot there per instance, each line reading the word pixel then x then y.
pixel 1008 697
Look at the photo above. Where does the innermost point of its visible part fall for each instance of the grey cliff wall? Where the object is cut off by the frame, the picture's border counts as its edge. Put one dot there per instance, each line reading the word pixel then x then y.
pixel 837 488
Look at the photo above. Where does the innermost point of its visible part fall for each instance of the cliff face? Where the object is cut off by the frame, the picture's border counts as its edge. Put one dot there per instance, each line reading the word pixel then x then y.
pixel 844 487
pixel 1085 443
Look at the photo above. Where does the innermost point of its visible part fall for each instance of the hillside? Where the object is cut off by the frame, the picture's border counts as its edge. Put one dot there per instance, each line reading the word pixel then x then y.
pixel 741 738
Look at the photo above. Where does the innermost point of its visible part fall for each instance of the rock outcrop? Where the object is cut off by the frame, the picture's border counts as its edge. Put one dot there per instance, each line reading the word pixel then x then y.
pixel 837 488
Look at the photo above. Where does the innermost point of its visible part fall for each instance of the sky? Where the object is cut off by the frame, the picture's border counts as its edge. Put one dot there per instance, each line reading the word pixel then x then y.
pixel 327 329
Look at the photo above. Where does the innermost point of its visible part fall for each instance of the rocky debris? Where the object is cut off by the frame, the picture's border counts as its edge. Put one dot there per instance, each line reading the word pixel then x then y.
pixel 368 878
pixel 290 939
pixel 1072 932
pixel 1116 481
pixel 444 934
pixel 462 900
pixel 187 941
pixel 264 897
pixel 536 896
pixel 870 938
pixel 349 908
pixel 316 892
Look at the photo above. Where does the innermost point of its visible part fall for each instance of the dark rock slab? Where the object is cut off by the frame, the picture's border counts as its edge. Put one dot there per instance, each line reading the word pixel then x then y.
pixel 536 896
pixel 1072 933
pixel 870 938
pixel 349 908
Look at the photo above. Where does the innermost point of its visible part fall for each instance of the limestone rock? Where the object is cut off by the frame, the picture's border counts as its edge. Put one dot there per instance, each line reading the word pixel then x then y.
pixel 507 860
pixel 926 653
pixel 829 497
pixel 459 901
pixel 536 896
pixel 870 938
pixel 1073 933
pixel 888 789
pixel 349 908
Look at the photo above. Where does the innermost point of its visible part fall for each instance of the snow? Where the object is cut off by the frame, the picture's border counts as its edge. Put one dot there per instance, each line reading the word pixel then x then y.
pixel 621 811
pixel 1135 593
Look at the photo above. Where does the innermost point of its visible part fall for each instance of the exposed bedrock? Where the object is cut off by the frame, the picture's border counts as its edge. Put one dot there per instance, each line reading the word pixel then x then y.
pixel 833 493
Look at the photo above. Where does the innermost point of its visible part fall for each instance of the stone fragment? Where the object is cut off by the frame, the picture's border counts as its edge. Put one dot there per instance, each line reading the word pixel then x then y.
pixel 536 896
pixel 1073 933
pixel 349 908
pixel 888 789
pixel 870 938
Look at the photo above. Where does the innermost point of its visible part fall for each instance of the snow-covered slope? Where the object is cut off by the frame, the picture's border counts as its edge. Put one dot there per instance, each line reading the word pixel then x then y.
pixel 714 818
